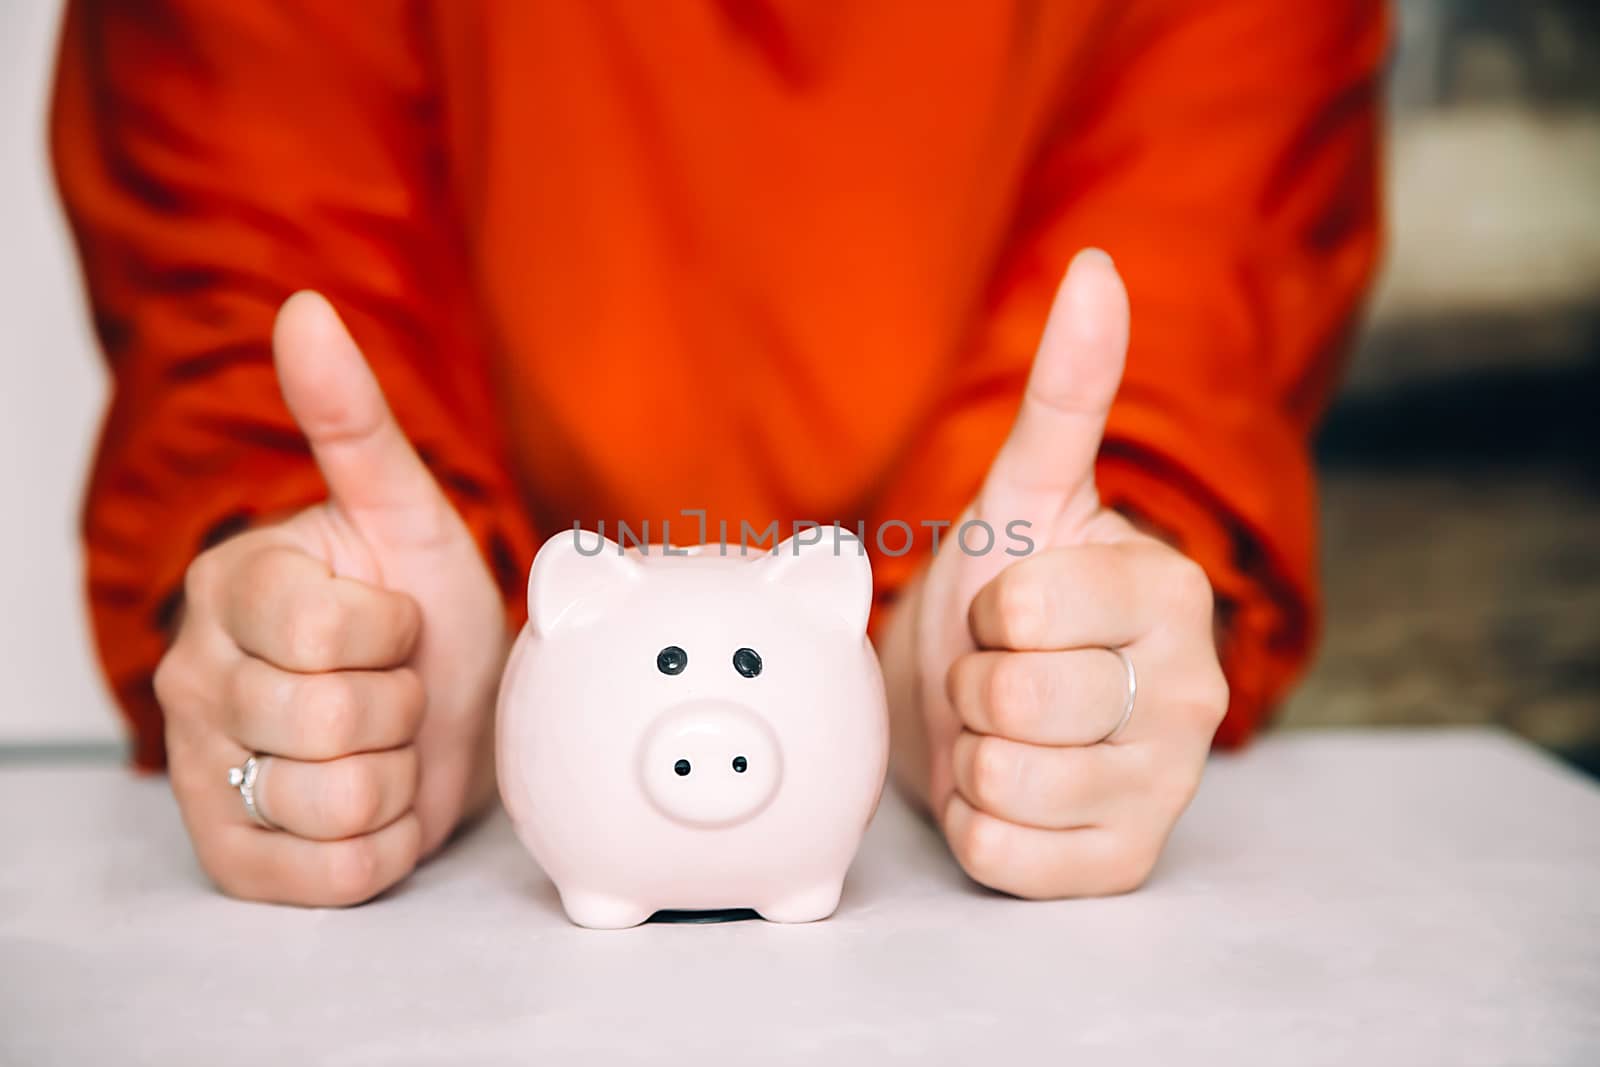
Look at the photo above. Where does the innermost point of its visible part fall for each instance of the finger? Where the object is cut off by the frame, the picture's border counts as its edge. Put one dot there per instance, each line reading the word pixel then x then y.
pixel 287 608
pixel 1086 596
pixel 1047 463
pixel 322 716
pixel 1075 697
pixel 1046 787
pixel 373 473
pixel 280 868
pixel 338 798
pixel 1046 864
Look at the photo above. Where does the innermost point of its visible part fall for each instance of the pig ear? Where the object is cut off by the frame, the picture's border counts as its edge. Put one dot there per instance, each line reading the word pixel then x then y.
pixel 828 566
pixel 571 569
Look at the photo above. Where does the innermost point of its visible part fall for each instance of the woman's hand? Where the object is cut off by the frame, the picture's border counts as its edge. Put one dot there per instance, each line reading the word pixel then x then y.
pixel 357 645
pixel 1007 699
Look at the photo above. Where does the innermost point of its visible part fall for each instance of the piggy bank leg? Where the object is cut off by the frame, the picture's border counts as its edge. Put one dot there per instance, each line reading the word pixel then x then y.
pixel 600 912
pixel 804 906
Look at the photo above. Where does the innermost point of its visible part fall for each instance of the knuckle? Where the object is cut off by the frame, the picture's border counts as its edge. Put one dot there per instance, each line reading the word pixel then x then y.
pixel 191 775
pixel 328 711
pixel 1020 605
pixel 354 796
pixel 231 886
pixel 224 878
pixel 179 691
pixel 1126 867
pixel 992 772
pixel 201 576
pixel 312 632
pixel 1202 697
pixel 960 679
pixel 255 688
pixel 168 681
pixel 1013 695
pixel 983 850
pixel 225 866
pixel 1189 588
pixel 353 872
pixel 1214 695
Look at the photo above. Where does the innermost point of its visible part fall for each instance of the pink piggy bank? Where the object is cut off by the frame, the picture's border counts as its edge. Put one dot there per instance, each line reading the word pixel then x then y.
pixel 694 731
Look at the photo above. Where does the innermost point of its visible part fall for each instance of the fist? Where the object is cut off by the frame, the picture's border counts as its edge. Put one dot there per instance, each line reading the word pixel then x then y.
pixel 354 649
pixel 1012 679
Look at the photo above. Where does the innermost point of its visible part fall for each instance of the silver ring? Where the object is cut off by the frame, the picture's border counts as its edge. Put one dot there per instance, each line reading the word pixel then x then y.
pixel 1133 691
pixel 243 778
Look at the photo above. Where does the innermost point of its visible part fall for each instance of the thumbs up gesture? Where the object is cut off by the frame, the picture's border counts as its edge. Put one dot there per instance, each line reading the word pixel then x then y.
pixel 1055 711
pixel 354 649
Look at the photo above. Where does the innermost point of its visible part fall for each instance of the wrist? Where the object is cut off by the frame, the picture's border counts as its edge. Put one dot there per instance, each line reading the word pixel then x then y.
pixel 897 654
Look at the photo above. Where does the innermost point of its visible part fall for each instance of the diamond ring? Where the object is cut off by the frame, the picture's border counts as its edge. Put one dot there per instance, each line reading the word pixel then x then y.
pixel 243 778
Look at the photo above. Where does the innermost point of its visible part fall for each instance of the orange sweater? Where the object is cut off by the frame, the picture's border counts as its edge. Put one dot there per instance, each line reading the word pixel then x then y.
pixel 771 258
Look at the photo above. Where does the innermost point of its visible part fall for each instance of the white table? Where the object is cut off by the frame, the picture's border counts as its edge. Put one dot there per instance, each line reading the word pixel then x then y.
pixel 1354 897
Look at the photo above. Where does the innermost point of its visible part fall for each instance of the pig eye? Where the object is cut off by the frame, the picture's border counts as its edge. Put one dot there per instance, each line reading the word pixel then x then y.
pixel 672 660
pixel 747 662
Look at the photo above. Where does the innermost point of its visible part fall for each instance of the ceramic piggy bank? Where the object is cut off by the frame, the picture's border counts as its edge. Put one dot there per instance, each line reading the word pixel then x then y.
pixel 699 731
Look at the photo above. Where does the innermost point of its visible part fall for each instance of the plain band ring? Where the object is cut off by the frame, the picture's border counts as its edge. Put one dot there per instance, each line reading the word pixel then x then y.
pixel 1133 692
pixel 243 778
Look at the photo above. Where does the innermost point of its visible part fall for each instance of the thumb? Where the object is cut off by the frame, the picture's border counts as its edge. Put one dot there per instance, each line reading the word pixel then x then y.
pixel 1046 466
pixel 374 475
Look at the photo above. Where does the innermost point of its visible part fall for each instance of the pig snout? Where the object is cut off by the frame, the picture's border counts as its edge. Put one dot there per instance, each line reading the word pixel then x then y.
pixel 710 763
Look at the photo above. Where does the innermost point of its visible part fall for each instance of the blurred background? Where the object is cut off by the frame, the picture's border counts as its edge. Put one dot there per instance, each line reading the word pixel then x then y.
pixel 1461 504
pixel 1461 463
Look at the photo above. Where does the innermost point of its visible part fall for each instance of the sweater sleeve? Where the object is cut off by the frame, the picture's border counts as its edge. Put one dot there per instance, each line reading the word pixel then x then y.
pixel 1226 156
pixel 212 158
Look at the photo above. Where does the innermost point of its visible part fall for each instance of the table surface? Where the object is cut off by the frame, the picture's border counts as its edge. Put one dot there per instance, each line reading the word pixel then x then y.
pixel 1395 897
